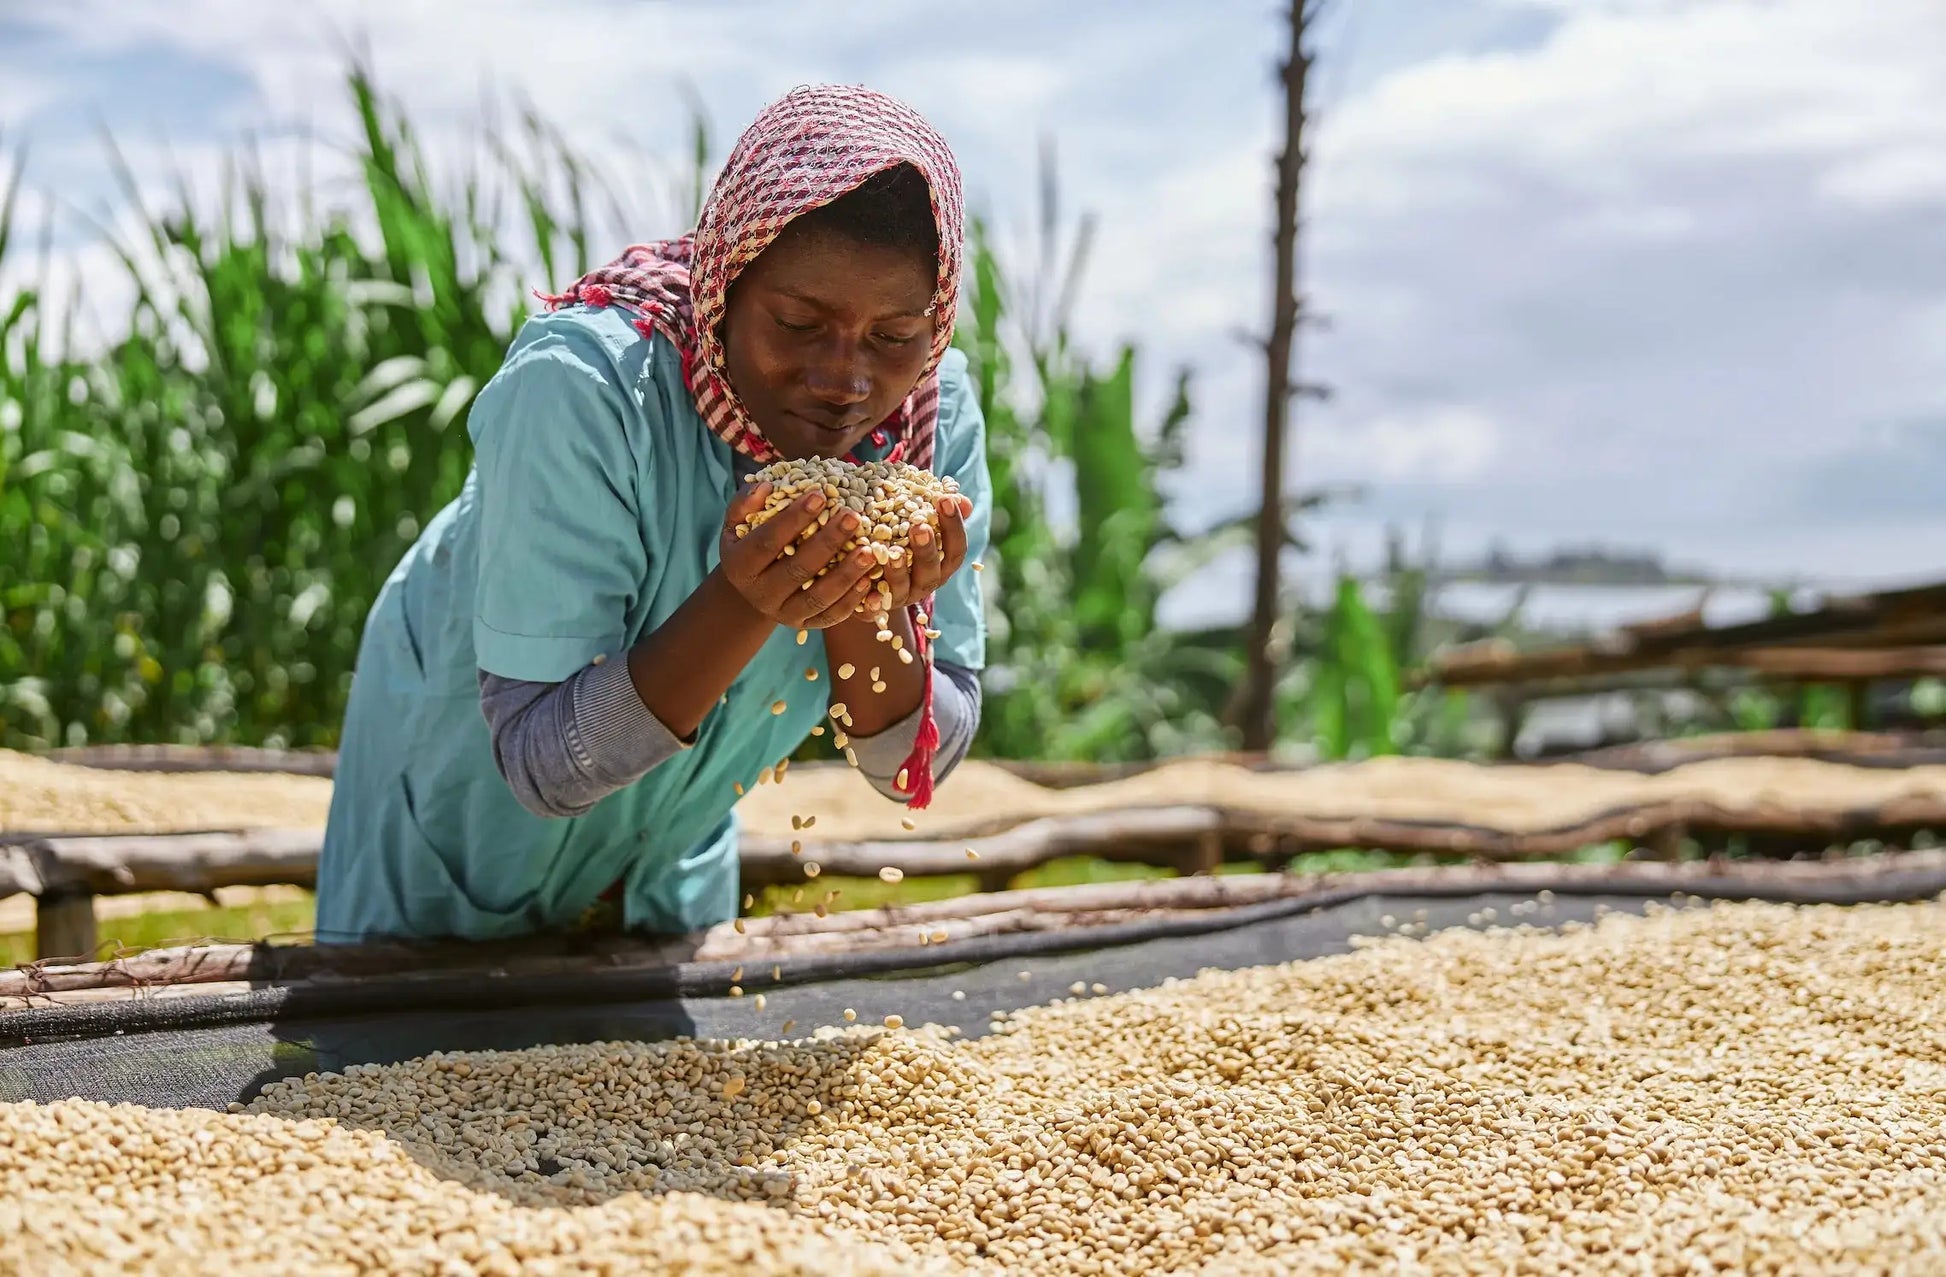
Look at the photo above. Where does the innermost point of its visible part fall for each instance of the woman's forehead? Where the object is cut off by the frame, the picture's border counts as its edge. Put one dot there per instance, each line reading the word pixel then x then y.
pixel 829 271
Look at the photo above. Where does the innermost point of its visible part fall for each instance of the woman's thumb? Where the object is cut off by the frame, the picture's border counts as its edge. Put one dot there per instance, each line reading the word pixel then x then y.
pixel 748 501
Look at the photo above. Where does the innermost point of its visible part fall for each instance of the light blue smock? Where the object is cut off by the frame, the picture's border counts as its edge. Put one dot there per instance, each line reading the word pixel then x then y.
pixel 591 513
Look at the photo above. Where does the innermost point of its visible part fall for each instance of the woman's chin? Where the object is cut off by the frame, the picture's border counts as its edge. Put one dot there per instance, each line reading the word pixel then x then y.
pixel 793 449
pixel 799 441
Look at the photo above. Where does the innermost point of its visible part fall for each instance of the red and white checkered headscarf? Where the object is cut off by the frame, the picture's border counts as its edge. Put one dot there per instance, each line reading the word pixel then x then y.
pixel 806 149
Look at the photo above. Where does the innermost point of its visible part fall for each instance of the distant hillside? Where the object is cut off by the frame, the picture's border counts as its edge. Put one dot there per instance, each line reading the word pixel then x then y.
pixel 1580 566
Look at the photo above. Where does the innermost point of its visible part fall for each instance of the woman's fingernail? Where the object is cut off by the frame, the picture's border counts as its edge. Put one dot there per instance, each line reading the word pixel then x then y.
pixel 851 521
pixel 922 536
pixel 814 502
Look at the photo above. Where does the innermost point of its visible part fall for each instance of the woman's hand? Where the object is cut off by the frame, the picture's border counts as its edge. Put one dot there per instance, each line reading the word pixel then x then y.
pixel 786 588
pixel 929 561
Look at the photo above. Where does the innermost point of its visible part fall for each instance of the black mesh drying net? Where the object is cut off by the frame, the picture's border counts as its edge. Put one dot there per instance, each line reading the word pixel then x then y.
pixel 203 1051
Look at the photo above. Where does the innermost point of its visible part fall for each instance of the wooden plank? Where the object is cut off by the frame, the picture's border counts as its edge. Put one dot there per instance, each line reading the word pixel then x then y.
pixel 1910 617
pixel 1458 669
pixel 1074 775
pixel 199 758
pixel 64 926
pixel 1840 664
pixel 1203 856
pixel 20 870
pixel 1885 617
pixel 1162 835
pixel 128 863
pixel 1157 835
pixel 1849 748
pixel 1137 834
pixel 780 938
pixel 238 758
pixel 981 802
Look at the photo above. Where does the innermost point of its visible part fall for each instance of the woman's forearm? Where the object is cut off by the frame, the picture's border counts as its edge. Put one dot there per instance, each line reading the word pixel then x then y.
pixel 682 668
pixel 855 644
pixel 563 747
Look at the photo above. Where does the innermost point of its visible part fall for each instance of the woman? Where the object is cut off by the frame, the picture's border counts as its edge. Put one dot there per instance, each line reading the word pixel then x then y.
pixel 565 684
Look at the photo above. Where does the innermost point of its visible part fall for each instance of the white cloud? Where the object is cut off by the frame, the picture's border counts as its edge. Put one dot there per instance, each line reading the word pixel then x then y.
pixel 1655 87
pixel 22 92
pixel 1440 444
pixel 1180 247
pixel 1654 256
pixel 1684 247
pixel 1888 180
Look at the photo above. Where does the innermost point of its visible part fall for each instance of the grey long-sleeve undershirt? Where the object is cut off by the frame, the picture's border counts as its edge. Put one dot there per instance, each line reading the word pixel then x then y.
pixel 563 747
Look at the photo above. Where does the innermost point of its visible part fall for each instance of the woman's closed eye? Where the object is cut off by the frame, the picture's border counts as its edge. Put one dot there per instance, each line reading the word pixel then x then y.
pixel 894 340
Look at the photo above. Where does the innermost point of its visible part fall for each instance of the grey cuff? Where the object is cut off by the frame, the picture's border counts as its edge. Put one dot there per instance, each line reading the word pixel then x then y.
pixel 563 747
pixel 956 711
pixel 615 737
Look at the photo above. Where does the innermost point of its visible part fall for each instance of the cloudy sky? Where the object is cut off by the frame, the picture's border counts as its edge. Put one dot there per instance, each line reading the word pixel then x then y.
pixel 1662 273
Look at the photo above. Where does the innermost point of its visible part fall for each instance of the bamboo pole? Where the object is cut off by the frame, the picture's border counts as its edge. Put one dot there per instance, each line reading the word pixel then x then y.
pixel 1256 702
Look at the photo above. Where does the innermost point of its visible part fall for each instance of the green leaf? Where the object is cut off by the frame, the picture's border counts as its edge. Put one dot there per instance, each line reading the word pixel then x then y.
pixel 399 402
pixel 453 401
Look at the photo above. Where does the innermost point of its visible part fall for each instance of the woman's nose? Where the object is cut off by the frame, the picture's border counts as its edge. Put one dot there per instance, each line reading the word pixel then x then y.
pixel 839 379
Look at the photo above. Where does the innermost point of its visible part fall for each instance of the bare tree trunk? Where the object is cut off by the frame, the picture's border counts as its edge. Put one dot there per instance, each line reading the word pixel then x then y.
pixel 1256 705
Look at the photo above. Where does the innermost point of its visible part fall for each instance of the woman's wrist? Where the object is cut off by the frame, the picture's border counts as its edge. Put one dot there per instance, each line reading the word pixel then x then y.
pixel 682 668
pixel 720 595
pixel 855 645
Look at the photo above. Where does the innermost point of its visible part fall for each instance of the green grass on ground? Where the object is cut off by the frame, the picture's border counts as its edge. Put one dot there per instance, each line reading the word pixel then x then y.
pixel 183 926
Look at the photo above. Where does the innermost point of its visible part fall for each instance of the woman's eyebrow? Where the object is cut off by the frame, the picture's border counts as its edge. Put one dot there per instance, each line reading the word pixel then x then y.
pixel 817 304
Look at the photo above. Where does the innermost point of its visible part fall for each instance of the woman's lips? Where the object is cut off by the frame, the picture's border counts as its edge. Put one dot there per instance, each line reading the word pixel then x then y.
pixel 825 426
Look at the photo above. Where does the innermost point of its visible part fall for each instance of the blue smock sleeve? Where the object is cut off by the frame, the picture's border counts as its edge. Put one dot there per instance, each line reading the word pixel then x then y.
pixel 959 608
pixel 561 553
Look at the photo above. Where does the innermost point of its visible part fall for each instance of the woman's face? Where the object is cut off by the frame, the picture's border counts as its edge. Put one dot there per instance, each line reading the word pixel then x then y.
pixel 824 337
